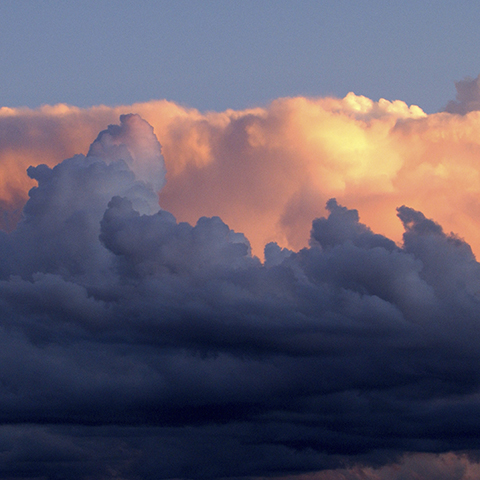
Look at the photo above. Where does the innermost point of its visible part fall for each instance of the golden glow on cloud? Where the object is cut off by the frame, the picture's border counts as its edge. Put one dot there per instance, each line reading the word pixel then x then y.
pixel 267 172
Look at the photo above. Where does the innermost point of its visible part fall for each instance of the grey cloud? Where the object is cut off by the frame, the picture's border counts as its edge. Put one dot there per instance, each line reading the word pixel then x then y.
pixel 134 142
pixel 150 348
pixel 343 225
pixel 60 226
pixel 467 98
pixel 156 242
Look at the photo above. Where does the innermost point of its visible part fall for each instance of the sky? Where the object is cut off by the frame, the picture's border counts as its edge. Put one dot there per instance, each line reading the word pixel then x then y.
pixel 217 54
pixel 239 240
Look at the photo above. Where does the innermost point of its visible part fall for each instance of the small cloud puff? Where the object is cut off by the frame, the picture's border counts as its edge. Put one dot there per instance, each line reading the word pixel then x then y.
pixel 468 97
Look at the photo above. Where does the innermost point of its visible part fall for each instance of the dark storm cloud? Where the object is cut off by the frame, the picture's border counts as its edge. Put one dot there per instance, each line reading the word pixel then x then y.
pixel 134 346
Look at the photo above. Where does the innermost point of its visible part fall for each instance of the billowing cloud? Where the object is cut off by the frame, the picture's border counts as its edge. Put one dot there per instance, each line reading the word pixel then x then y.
pixel 267 172
pixel 135 345
pixel 468 97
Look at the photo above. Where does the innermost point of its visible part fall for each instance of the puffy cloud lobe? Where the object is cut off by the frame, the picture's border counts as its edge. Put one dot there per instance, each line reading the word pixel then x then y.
pixel 151 348
pixel 468 97
pixel 134 142
pixel 67 206
pixel 342 225
pixel 156 243
pixel 33 137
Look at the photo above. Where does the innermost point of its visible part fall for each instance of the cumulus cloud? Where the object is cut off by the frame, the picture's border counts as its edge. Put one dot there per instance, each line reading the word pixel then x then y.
pixel 132 141
pixel 137 346
pixel 468 97
pixel 267 172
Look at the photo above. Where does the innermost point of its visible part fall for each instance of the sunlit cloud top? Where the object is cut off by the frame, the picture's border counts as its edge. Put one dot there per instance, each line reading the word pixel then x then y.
pixel 268 171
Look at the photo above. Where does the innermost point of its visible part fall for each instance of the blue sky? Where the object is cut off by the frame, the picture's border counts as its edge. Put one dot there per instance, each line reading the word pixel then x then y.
pixel 215 55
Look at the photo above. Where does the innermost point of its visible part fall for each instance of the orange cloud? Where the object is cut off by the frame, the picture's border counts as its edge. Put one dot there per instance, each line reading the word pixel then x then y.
pixel 267 172
pixel 417 466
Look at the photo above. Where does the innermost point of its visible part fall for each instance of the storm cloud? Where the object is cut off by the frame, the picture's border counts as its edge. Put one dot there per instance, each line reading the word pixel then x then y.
pixel 137 346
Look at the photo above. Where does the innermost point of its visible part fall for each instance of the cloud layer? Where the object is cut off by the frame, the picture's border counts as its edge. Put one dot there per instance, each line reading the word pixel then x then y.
pixel 138 346
pixel 267 172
